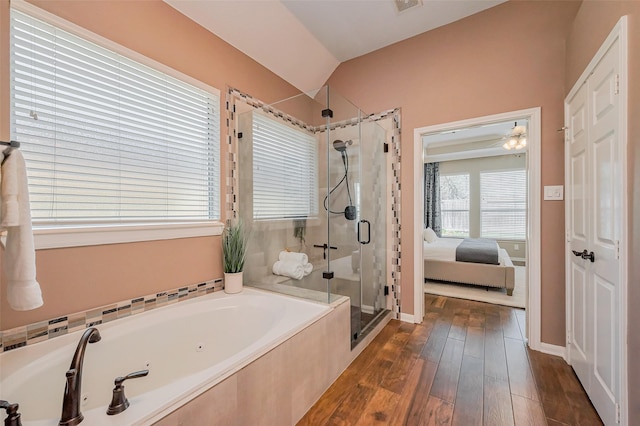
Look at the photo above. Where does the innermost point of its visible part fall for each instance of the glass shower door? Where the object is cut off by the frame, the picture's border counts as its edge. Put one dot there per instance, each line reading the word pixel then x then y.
pixel 372 231
pixel 357 219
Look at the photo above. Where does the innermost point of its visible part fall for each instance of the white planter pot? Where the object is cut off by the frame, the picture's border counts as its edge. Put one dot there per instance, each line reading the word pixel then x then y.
pixel 232 282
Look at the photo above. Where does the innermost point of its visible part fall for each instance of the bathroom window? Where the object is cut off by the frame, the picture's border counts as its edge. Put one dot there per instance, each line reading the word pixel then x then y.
pixel 454 205
pixel 285 171
pixel 107 139
pixel 503 204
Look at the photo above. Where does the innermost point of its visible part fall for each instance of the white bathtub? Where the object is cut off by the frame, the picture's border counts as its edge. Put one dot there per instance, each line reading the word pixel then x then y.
pixel 188 347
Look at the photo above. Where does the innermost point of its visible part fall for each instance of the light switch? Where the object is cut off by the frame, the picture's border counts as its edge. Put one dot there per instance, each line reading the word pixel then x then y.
pixel 554 192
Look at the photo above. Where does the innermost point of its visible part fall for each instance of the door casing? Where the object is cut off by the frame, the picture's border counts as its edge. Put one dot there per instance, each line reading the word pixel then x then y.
pixel 533 115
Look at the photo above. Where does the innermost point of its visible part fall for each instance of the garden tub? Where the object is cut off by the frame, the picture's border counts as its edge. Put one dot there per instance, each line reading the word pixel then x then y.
pixel 188 347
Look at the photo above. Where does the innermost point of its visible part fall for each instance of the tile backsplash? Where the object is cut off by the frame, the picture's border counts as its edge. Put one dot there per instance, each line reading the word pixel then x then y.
pixel 49 329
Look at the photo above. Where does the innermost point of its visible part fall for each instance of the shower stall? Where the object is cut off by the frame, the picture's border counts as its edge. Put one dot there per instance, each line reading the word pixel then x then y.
pixel 311 175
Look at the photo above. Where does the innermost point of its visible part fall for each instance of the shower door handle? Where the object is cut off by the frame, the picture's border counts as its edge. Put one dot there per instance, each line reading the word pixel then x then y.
pixel 368 231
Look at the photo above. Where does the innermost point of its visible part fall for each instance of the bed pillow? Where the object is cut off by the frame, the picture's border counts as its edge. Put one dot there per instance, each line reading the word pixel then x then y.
pixel 429 235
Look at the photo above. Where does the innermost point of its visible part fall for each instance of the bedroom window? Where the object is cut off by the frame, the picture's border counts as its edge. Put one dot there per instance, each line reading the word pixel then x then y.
pixel 454 205
pixel 285 171
pixel 503 204
pixel 108 140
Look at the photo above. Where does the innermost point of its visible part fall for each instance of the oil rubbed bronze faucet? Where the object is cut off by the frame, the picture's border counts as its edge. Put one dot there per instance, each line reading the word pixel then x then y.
pixel 13 417
pixel 71 414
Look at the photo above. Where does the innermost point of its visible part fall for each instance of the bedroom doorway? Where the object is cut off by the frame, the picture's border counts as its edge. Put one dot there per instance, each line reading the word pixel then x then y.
pixel 485 185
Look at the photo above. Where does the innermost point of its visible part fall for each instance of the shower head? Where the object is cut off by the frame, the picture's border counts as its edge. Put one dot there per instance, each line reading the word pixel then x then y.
pixel 340 145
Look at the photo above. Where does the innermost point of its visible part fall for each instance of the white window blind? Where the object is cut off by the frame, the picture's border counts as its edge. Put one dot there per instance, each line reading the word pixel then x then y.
pixel 105 138
pixel 454 205
pixel 285 170
pixel 503 204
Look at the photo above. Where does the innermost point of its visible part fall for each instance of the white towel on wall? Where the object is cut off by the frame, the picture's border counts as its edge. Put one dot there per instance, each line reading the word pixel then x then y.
pixel 293 270
pixel 23 291
pixel 292 256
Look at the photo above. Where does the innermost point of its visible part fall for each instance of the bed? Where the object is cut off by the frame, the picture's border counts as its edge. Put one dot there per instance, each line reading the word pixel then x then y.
pixel 440 264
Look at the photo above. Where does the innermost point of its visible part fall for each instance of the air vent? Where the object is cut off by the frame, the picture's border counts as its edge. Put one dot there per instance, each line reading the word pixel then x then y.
pixel 404 5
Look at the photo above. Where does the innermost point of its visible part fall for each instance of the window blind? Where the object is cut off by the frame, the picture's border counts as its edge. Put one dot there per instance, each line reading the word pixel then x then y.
pixel 285 171
pixel 454 205
pixel 105 138
pixel 503 204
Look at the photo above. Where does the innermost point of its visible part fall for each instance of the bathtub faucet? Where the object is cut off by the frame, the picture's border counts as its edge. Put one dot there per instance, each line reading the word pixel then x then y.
pixel 71 414
pixel 13 417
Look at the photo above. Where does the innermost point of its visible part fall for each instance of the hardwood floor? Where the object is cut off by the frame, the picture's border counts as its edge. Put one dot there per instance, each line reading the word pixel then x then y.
pixel 466 364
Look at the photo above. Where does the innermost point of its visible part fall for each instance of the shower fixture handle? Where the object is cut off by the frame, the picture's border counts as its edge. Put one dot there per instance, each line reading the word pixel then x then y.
pixel 324 248
pixel 368 231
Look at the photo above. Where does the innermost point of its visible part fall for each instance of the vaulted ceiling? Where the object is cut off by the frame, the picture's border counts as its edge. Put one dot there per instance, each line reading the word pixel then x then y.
pixel 303 41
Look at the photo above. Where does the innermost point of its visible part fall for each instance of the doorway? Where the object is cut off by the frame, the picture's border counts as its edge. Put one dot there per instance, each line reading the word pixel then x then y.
pixel 532 256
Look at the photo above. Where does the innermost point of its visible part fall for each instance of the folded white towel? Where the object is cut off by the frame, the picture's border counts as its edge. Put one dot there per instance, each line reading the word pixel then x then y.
pixel 291 256
pixel 23 291
pixel 308 268
pixel 288 269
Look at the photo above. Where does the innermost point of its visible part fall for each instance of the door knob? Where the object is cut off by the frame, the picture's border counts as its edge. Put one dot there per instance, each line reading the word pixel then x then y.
pixel 585 255
pixel 591 256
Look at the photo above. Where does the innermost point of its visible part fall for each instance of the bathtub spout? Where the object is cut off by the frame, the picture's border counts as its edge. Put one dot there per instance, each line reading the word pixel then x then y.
pixel 71 414
pixel 13 417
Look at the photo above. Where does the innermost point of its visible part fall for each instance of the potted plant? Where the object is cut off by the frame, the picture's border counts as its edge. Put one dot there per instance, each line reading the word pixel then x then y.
pixel 234 248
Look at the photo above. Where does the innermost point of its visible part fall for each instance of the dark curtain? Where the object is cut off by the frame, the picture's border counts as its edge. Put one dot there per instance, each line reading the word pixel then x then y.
pixel 432 217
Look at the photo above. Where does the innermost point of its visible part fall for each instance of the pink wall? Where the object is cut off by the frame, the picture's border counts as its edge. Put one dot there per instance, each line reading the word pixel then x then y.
pixel 507 58
pixel 75 279
pixel 593 23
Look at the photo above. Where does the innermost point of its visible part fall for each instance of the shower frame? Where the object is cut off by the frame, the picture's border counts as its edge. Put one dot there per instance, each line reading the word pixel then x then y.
pixel 393 243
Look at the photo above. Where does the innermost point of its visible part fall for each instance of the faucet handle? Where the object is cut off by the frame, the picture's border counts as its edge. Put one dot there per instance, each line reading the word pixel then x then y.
pixel 119 380
pixel 119 401
pixel 13 417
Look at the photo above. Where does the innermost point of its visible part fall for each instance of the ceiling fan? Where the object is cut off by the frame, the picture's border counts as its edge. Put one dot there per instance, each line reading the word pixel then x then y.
pixel 516 139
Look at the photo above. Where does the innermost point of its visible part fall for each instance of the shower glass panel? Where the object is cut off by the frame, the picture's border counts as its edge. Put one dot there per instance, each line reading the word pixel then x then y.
pixel 312 180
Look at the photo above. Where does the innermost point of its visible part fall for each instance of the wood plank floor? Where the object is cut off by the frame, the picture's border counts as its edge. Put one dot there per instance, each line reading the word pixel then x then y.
pixel 466 364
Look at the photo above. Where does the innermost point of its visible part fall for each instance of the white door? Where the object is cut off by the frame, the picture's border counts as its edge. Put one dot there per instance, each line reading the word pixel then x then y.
pixel 580 321
pixel 595 216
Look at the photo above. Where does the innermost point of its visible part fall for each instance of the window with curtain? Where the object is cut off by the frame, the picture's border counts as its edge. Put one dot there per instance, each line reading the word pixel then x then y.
pixel 285 170
pixel 503 204
pixel 106 139
pixel 454 202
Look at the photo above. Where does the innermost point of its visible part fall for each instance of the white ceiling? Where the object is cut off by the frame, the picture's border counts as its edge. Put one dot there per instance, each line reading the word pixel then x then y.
pixel 303 41
pixel 470 142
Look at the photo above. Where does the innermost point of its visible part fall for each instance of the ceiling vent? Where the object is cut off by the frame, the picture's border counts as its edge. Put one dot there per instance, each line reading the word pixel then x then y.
pixel 404 5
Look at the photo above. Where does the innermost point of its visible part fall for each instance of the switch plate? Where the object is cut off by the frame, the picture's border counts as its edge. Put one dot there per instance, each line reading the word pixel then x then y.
pixel 554 192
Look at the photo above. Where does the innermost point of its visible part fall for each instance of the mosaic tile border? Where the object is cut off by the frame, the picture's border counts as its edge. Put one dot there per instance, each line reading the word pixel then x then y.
pixel 396 196
pixel 395 113
pixel 250 100
pixel 49 329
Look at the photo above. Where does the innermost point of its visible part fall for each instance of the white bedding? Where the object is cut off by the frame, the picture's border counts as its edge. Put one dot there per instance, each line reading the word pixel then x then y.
pixel 445 249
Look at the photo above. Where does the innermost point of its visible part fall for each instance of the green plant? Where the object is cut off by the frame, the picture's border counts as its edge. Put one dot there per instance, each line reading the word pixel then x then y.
pixel 300 229
pixel 234 247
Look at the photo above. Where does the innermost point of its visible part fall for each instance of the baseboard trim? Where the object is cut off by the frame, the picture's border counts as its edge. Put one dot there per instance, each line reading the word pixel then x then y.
pixel 556 350
pixel 407 318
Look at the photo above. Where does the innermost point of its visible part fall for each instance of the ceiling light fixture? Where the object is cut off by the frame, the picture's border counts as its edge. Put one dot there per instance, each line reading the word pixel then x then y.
pixel 517 138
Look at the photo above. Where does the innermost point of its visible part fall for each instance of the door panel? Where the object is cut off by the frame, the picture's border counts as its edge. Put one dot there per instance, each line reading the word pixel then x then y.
pixel 604 359
pixel 580 320
pixel 605 191
pixel 578 178
pixel 579 323
pixel 594 187
pixel 604 386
